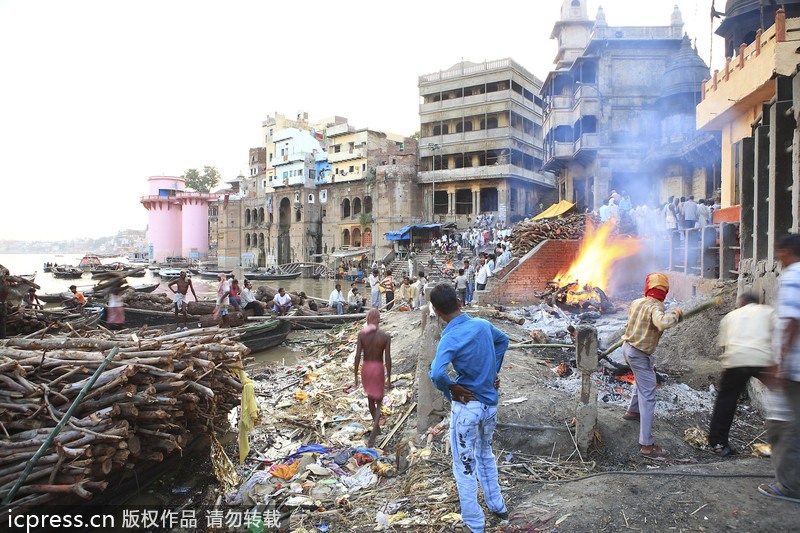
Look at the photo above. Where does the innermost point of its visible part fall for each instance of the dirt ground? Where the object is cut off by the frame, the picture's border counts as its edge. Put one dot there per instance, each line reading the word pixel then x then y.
pixel 547 485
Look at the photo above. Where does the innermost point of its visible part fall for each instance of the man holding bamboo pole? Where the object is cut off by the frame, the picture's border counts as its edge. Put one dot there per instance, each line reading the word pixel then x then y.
pixel 647 320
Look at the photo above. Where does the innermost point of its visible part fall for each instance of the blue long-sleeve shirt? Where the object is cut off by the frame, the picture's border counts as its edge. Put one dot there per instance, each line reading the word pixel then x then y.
pixel 476 349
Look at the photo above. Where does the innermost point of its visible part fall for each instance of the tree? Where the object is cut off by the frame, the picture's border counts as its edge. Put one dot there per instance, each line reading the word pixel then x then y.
pixel 204 182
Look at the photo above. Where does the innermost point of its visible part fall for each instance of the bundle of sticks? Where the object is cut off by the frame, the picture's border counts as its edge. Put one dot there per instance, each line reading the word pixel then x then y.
pixel 154 397
pixel 528 234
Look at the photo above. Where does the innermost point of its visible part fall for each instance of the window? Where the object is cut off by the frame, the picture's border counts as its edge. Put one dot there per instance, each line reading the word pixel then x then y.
pixel 298 215
pixel 270 157
pixel 351 147
pixel 363 167
pixel 337 148
pixel 352 168
pixel 285 174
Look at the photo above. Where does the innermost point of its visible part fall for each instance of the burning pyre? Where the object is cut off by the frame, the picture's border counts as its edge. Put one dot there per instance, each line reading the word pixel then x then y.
pixel 582 286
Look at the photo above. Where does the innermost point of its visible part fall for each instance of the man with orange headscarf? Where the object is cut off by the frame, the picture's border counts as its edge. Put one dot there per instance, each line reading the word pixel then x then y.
pixel 647 320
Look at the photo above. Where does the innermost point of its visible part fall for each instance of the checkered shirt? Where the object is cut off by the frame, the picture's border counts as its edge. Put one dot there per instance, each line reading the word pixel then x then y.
pixel 646 322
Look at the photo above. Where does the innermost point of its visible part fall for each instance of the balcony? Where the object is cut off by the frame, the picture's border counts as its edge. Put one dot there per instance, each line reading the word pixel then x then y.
pixel 460 138
pixel 339 129
pixel 484 172
pixel 346 155
pixel 476 100
pixel 279 160
pixel 587 141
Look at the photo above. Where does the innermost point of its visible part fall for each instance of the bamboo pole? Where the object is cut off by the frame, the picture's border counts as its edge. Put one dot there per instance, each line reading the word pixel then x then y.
pixel 46 444
pixel 688 314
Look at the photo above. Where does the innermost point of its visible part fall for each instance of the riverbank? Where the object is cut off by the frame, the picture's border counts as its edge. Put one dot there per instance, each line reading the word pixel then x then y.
pixel 309 417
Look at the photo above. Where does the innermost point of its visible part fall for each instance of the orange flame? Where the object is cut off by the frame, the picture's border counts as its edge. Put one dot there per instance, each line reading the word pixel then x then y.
pixel 598 252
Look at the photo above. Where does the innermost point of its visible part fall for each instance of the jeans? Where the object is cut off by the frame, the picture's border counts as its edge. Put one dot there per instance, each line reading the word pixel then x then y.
pixel 338 306
pixel 470 290
pixel 471 442
pixel 731 385
pixel 784 437
pixel 643 400
pixel 481 286
pixel 462 295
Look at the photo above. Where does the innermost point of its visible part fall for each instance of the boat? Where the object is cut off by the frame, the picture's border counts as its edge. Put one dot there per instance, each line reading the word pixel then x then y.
pixel 62 272
pixel 213 274
pixel 147 287
pixel 89 261
pixel 262 336
pixel 118 268
pixel 253 275
pixel 29 277
pixel 138 257
pixel 59 297
pixel 170 272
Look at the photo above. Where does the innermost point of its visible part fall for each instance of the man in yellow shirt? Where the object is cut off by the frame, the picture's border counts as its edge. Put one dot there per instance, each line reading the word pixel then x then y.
pixel 647 320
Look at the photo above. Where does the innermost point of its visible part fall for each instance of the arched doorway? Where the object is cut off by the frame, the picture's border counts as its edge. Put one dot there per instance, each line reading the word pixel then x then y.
pixel 356 206
pixel 262 255
pixel 356 237
pixel 346 237
pixel 284 225
pixel 346 208
pixel 246 217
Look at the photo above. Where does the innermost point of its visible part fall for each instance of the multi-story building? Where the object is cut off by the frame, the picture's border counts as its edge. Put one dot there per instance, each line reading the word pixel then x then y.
pixel 481 143
pixel 619 111
pixel 313 190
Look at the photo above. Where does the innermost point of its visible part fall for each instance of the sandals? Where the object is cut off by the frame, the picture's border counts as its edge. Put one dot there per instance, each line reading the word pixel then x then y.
pixel 770 489
pixel 630 415
pixel 722 450
pixel 654 451
pixel 460 527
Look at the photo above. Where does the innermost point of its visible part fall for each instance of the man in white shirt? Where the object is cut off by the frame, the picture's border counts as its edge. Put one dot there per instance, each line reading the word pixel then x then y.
pixel 249 301
pixel 375 290
pixel 336 299
pixel 482 277
pixel 282 301
pixel 745 336
pixel 355 304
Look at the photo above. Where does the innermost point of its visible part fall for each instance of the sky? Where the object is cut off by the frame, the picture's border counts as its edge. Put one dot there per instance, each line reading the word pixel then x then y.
pixel 96 96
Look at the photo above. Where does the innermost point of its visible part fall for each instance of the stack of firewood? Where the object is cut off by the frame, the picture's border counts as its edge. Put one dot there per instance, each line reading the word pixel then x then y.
pixel 528 234
pixel 154 397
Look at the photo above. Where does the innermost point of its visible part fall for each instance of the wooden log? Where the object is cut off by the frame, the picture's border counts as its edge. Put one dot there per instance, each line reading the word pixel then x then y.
pixel 134 444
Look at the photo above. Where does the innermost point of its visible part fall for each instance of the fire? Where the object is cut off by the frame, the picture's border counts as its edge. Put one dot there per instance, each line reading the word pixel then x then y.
pixel 592 269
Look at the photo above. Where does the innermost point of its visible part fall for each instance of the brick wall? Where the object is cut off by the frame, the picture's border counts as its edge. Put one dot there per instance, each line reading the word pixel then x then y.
pixel 531 275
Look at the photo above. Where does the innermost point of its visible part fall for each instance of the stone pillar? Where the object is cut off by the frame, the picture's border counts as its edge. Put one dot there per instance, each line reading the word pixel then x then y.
pixel 431 406
pixel 761 189
pixel 782 128
pixel 451 201
pixel 586 353
pixel 478 202
pixel 746 195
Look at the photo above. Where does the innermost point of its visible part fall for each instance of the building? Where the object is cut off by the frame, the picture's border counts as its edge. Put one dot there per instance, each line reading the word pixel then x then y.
pixel 178 219
pixel 311 191
pixel 619 111
pixel 481 143
pixel 755 104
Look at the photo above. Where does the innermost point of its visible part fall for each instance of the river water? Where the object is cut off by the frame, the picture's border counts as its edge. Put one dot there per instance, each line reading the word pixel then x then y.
pixel 20 264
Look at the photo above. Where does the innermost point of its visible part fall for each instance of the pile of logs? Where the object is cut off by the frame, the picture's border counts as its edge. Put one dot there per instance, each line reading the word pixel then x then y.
pixel 528 234
pixel 153 398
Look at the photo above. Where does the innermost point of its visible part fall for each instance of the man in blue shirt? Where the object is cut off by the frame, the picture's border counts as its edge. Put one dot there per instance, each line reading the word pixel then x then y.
pixel 476 349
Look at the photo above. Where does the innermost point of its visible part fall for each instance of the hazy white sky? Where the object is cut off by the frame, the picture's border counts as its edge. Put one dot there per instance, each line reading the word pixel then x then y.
pixel 98 95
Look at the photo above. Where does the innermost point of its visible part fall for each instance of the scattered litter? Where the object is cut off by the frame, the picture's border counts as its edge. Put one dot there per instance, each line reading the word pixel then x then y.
pixel 696 438
pixel 761 449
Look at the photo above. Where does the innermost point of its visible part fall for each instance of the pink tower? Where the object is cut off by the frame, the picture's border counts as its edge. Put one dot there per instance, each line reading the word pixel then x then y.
pixel 195 223
pixel 164 230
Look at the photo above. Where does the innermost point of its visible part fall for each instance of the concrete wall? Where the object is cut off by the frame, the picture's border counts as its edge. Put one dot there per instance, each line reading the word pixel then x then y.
pixel 164 228
pixel 194 226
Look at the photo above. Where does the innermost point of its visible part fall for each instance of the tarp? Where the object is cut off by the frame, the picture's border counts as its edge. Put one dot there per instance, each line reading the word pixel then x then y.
pixel 404 233
pixel 555 210
pixel 350 253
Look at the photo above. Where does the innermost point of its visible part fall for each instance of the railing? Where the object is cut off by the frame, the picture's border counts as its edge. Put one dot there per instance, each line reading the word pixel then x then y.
pixel 710 252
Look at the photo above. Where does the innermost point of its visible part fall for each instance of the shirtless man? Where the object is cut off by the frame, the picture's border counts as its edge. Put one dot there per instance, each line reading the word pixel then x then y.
pixel 373 343
pixel 183 285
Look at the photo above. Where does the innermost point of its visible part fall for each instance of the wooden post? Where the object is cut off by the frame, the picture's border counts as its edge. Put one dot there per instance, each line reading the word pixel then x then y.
pixel 742 48
pixel 709 258
pixel 586 360
pixel 727 68
pixel 758 42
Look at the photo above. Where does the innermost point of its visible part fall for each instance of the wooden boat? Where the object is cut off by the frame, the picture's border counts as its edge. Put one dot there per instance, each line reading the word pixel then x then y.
pixel 169 272
pixel 67 273
pixel 206 274
pixel 147 287
pixel 262 336
pixel 29 277
pixel 256 337
pixel 58 297
pixel 264 276
pixel 89 261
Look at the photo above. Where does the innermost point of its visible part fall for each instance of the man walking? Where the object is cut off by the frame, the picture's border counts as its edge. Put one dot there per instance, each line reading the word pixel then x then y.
pixel 182 286
pixel 476 349
pixel 646 322
pixel 786 485
pixel 376 346
pixel 745 336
